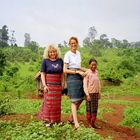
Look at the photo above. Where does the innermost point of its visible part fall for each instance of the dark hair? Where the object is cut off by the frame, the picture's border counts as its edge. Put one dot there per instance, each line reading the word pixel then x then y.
pixel 73 38
pixel 92 60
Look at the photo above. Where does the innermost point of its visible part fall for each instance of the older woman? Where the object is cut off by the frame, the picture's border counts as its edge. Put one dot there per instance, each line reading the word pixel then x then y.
pixel 72 67
pixel 52 79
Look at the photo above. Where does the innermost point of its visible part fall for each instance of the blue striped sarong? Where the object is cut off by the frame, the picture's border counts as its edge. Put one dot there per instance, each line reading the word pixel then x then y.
pixel 75 87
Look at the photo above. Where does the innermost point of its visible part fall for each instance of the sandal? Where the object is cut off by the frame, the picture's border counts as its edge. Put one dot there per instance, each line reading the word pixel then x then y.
pixel 96 126
pixel 71 122
pixel 48 125
pixel 61 123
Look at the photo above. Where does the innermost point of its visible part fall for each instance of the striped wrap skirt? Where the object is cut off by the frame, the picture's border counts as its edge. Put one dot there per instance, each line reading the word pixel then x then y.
pixel 51 108
pixel 75 87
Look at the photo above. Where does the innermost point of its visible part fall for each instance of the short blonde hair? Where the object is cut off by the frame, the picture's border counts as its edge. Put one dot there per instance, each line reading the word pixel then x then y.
pixel 50 47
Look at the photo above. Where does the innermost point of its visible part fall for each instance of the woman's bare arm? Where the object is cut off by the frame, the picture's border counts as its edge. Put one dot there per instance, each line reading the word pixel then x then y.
pixel 68 71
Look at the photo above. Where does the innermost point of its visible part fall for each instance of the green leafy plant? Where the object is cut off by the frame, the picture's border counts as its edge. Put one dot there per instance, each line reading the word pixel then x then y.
pixel 6 105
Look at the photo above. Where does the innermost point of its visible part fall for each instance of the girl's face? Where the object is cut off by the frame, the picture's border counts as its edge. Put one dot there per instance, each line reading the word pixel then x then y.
pixel 52 53
pixel 93 65
pixel 73 45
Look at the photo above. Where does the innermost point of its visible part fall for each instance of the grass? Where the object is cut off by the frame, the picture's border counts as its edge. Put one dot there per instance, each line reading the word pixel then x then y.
pixel 121 102
pixel 25 106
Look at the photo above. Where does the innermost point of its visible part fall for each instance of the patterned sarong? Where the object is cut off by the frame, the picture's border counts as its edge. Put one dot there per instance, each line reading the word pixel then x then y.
pixel 51 108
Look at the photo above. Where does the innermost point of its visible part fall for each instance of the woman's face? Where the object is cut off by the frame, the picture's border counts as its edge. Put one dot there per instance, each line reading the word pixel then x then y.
pixel 73 45
pixel 93 65
pixel 52 53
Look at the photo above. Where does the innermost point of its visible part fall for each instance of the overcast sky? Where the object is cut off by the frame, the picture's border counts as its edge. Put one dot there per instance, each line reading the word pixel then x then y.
pixel 53 21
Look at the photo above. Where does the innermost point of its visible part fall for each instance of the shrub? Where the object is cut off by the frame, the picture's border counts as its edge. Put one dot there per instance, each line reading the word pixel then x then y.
pixel 6 105
pixel 127 67
pixel 36 131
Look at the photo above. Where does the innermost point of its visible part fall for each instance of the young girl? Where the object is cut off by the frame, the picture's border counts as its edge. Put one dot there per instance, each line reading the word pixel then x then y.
pixel 92 91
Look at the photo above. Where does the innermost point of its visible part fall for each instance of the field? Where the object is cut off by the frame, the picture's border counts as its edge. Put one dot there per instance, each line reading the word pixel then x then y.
pixel 119 106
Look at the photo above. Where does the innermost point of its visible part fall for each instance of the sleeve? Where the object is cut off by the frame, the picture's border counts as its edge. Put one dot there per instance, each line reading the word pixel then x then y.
pixel 61 63
pixel 43 66
pixel 80 58
pixel 66 58
pixel 85 83
pixel 99 82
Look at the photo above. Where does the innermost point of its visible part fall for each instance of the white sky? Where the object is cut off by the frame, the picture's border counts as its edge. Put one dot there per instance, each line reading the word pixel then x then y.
pixel 53 21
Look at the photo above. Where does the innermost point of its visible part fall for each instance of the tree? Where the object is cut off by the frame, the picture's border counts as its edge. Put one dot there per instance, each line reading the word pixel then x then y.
pixel 65 44
pixel 105 41
pixel 92 32
pixel 4 36
pixel 33 46
pixel 27 39
pixel 103 37
pixel 60 45
pixel 86 42
pixel 125 44
pixel 2 62
pixel 12 38
pixel 116 43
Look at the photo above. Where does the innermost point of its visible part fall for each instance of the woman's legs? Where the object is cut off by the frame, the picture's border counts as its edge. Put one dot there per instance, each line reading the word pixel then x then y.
pixel 74 113
pixel 78 103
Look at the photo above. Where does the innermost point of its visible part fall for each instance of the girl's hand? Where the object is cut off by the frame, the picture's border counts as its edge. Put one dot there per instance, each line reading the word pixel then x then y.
pixel 80 72
pixel 84 74
pixel 88 98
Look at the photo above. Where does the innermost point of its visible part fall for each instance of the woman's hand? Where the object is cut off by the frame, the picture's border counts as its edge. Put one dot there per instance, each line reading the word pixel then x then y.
pixel 46 89
pixel 62 85
pixel 88 98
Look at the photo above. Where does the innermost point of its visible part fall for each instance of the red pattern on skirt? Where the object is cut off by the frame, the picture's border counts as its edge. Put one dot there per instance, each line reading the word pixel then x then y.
pixel 51 108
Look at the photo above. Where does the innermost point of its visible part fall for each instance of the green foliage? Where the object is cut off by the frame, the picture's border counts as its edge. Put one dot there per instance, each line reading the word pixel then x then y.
pixel 24 106
pixel 4 83
pixel 31 68
pixel 22 54
pixel 33 46
pixel 4 36
pixel 2 62
pixel 3 44
pixel 11 71
pixel 36 131
pixel 132 117
pixel 6 105
pixel 111 73
pixel 127 67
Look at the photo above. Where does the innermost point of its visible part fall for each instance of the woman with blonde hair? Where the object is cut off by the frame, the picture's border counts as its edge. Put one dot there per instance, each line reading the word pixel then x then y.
pixel 53 83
